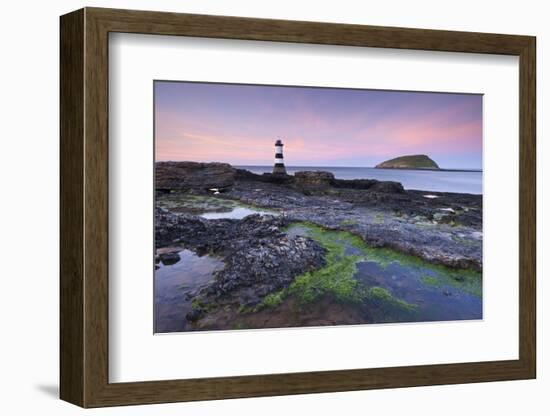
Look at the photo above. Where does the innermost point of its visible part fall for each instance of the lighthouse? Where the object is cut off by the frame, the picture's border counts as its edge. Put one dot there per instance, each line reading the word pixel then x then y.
pixel 279 167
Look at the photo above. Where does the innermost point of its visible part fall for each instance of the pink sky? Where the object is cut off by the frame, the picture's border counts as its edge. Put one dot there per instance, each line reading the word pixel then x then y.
pixel 238 124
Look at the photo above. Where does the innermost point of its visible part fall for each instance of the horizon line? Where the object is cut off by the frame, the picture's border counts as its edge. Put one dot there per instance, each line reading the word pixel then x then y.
pixel 329 166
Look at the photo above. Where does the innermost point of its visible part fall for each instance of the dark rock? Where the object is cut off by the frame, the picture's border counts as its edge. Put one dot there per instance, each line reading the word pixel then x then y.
pixel 322 181
pixel 193 315
pixel 354 183
pixel 400 221
pixel 280 179
pixel 403 220
pixel 193 175
pixel 213 236
pixel 388 187
pixel 169 258
pixel 313 180
pixel 266 265
pixel 243 174
pixel 259 257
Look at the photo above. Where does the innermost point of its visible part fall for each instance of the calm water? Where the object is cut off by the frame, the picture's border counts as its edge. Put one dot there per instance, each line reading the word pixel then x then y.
pixel 427 180
pixel 236 213
pixel 441 301
pixel 176 285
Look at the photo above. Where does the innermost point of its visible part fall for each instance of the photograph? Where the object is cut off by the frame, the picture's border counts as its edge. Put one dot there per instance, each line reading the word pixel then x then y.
pixel 281 206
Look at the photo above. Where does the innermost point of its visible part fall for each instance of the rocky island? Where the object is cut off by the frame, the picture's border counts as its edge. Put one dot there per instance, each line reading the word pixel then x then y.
pixel 409 162
pixel 311 249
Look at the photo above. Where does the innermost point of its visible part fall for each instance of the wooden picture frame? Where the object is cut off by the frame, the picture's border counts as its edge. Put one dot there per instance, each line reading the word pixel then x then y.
pixel 84 207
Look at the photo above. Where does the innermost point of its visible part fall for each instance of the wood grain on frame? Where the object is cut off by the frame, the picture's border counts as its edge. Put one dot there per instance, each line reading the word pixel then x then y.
pixel 84 207
pixel 71 209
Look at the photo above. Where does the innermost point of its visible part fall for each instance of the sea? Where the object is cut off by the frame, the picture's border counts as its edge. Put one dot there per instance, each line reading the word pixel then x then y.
pixel 461 181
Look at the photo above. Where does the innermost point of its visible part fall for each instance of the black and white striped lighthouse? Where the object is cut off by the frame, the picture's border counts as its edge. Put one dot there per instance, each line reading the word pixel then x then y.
pixel 279 167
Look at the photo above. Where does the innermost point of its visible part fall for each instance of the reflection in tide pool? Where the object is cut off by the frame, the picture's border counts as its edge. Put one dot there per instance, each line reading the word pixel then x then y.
pixel 236 213
pixel 432 292
pixel 435 299
pixel 175 286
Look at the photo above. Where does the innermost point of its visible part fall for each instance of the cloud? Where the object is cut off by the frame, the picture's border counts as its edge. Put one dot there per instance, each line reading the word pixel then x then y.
pixel 316 125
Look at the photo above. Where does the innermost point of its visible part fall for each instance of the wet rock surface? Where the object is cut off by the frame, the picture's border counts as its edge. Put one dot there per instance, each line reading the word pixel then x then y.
pixel 169 258
pixel 313 180
pixel 193 175
pixel 446 229
pixel 261 258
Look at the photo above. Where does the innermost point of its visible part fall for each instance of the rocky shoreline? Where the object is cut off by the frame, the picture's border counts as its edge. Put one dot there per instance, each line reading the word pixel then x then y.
pixel 261 258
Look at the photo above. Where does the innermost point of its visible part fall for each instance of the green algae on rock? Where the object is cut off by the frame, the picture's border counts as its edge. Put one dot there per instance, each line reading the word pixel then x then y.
pixel 337 277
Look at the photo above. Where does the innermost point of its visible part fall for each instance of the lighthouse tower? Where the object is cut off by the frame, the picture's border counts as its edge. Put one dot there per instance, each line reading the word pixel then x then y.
pixel 279 167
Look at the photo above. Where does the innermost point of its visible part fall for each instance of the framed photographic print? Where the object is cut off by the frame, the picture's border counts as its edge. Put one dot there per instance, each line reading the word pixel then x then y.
pixel 255 207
